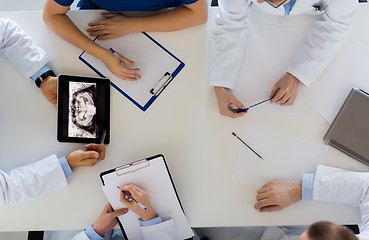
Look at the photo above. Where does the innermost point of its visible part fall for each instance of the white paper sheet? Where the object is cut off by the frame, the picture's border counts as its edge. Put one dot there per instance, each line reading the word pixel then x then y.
pixel 150 58
pixel 155 180
pixel 284 157
pixel 269 50
pixel 351 70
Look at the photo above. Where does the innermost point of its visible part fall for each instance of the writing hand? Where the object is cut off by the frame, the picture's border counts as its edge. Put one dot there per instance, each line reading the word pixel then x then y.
pixel 114 65
pixel 140 195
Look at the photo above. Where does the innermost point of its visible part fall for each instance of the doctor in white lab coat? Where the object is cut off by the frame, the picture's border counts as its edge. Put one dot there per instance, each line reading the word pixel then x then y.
pixel 27 57
pixel 228 40
pixel 35 179
pixel 327 184
pixel 152 226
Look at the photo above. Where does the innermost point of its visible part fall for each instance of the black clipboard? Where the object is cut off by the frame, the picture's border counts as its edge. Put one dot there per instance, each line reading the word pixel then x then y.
pixel 148 159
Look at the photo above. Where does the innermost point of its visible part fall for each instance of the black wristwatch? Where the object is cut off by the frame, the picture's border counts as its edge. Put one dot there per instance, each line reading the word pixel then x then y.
pixel 43 76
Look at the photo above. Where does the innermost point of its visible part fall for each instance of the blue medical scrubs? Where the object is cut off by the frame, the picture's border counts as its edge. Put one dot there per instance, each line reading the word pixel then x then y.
pixel 126 5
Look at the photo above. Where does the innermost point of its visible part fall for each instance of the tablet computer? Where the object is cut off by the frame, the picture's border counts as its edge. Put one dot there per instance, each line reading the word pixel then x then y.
pixel 83 109
pixel 349 131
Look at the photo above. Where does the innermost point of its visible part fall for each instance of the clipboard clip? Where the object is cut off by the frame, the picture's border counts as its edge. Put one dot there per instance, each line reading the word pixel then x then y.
pixel 159 86
pixel 132 167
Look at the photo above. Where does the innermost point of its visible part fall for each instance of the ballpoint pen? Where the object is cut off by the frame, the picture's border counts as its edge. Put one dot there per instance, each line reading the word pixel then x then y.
pixel 121 61
pixel 131 197
pixel 246 109
pixel 234 134
pixel 102 141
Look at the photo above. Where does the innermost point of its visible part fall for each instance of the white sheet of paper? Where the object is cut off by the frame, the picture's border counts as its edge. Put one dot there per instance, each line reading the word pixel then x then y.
pixel 269 50
pixel 150 58
pixel 284 157
pixel 155 180
pixel 351 70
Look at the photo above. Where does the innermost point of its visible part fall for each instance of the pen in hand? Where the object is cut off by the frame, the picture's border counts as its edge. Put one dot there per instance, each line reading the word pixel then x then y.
pixel 121 61
pixel 131 197
pixel 102 141
pixel 246 109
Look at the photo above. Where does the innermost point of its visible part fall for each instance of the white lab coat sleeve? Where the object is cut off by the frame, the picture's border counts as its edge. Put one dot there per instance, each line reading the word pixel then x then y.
pixel 19 48
pixel 341 186
pixel 323 40
pixel 227 42
pixel 31 181
pixel 162 231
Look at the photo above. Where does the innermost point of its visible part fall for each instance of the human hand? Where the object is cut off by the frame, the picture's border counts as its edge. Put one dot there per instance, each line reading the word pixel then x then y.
pixel 82 158
pixel 100 148
pixel 225 100
pixel 140 196
pixel 49 89
pixel 107 219
pixel 113 25
pixel 285 90
pixel 117 68
pixel 276 195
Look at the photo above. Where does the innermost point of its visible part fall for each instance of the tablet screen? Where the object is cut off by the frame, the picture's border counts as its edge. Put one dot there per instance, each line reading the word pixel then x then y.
pixel 83 108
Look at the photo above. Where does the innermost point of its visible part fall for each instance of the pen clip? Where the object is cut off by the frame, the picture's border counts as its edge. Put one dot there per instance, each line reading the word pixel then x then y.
pixel 160 85
pixel 132 167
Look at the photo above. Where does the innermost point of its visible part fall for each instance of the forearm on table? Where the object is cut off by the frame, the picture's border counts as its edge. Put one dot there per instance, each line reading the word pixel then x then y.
pixel 63 26
pixel 171 20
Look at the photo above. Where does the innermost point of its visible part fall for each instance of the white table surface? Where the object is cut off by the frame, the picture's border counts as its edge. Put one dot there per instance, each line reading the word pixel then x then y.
pixel 183 124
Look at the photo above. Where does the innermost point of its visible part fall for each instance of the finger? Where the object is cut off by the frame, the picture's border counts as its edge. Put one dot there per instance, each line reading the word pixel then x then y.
pixel 279 95
pixel 262 196
pixel 263 203
pixel 100 32
pixel 119 212
pixel 284 99
pixel 131 189
pixel 126 60
pixel 290 101
pixel 124 200
pixel 96 28
pixel 89 155
pixel 263 190
pixel 106 36
pixel 267 184
pixel 236 102
pixel 95 23
pixel 110 208
pixel 92 146
pixel 109 15
pixel 271 208
pixel 274 91
pixel 126 76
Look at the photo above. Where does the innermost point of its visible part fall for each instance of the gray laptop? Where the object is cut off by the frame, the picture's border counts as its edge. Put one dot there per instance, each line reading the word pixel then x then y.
pixel 349 131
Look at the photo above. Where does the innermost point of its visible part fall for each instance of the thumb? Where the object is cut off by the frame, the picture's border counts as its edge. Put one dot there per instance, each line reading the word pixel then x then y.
pixel 119 212
pixel 108 15
pixel 270 208
pixel 126 60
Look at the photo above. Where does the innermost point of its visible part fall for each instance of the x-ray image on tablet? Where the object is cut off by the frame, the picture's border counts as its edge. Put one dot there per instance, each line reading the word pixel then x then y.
pixel 83 109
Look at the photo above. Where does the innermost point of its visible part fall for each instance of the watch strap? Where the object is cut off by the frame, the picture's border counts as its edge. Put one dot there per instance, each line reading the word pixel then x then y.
pixel 43 76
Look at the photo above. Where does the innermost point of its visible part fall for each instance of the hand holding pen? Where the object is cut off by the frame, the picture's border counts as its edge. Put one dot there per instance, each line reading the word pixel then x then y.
pixel 137 200
pixel 122 64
